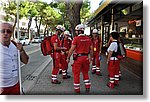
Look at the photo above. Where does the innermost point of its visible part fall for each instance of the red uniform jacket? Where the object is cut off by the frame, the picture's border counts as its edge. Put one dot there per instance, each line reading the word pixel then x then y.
pixel 66 43
pixel 96 44
pixel 83 44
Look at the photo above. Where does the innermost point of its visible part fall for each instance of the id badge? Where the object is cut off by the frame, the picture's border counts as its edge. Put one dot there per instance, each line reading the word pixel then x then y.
pixel 94 49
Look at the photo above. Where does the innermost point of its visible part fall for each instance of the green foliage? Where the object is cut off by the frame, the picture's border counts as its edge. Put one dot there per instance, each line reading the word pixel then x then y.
pixel 61 6
pixel 10 9
pixel 8 18
pixel 85 11
pixel 23 9
pixel 49 15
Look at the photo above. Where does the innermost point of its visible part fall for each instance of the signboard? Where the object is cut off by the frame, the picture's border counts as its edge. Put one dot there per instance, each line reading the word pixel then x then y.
pixel 138 23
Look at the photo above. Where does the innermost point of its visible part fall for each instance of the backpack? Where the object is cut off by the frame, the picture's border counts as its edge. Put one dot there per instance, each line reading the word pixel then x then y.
pixel 46 46
pixel 121 51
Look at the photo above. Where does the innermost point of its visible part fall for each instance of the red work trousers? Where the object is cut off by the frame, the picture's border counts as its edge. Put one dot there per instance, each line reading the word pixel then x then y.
pixel 64 63
pixel 56 62
pixel 13 90
pixel 113 69
pixel 81 65
pixel 96 60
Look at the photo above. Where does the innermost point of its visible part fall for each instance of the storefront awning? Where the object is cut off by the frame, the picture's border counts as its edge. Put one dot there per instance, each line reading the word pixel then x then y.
pixel 104 3
pixel 99 11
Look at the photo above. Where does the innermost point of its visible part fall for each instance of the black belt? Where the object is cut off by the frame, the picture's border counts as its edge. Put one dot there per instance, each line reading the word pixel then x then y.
pixel 57 51
pixel 82 54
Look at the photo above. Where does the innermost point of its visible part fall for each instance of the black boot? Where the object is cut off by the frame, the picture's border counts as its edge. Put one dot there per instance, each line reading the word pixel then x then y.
pixel 66 76
pixel 55 82
pixel 87 90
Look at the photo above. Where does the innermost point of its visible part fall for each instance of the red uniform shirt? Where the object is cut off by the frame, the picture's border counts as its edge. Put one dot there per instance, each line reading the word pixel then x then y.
pixel 66 43
pixel 96 44
pixel 83 44
pixel 55 39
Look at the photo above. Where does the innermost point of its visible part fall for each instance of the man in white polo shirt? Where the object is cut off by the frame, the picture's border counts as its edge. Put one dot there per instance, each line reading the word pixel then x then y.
pixel 9 81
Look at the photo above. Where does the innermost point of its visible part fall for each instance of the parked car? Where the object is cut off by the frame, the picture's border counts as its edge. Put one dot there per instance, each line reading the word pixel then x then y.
pixel 24 41
pixel 42 38
pixel 36 40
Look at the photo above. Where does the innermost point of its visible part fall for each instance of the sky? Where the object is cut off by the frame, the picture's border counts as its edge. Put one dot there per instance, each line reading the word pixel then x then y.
pixel 94 4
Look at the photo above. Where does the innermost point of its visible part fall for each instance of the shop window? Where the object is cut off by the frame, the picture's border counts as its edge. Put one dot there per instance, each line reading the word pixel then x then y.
pixel 134 35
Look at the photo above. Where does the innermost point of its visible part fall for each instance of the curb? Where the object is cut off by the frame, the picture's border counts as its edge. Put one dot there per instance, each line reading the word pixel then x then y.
pixel 29 83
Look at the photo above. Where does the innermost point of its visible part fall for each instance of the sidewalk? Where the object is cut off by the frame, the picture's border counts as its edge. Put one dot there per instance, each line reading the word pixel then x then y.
pixel 129 84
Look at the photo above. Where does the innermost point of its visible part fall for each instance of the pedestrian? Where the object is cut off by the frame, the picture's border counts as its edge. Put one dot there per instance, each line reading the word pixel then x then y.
pixel 65 42
pixel 9 66
pixel 108 44
pixel 113 62
pixel 97 45
pixel 55 40
pixel 82 45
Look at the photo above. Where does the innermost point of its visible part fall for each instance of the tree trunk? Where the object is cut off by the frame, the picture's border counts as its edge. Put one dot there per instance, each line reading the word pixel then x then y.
pixel 29 25
pixel 45 30
pixel 73 13
pixel 36 21
pixel 14 26
pixel 38 26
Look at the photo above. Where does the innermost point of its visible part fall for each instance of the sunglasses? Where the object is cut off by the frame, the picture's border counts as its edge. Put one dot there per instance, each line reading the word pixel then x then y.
pixel 5 30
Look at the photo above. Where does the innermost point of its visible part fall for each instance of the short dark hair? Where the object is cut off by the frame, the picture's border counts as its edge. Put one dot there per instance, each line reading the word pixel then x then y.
pixel 115 35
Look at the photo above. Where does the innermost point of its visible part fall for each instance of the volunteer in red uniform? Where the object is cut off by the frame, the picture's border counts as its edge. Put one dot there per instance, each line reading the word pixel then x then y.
pixel 65 42
pixel 97 44
pixel 113 61
pixel 55 40
pixel 82 46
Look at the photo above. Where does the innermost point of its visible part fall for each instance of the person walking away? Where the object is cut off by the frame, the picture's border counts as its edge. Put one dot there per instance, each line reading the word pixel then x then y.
pixel 82 45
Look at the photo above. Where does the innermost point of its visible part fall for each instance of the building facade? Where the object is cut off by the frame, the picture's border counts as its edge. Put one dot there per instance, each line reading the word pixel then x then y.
pixel 124 17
